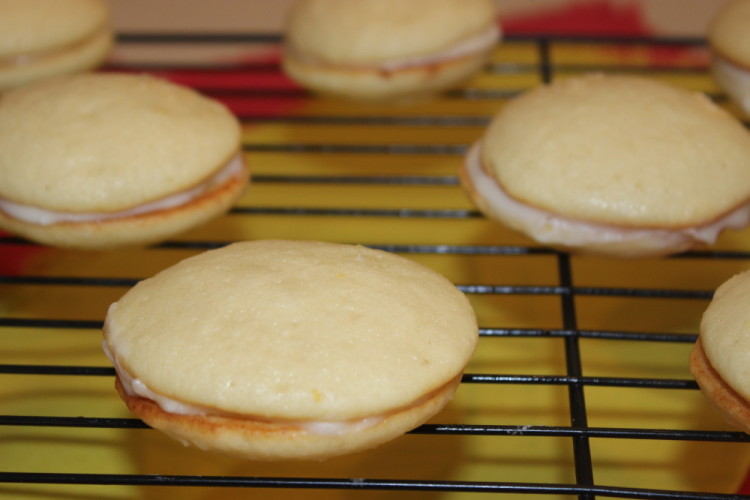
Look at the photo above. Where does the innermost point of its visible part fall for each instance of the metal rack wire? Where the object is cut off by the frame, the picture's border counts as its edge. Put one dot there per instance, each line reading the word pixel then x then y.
pixel 564 290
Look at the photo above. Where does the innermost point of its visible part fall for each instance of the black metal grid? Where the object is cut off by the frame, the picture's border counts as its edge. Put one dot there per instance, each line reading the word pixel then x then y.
pixel 578 431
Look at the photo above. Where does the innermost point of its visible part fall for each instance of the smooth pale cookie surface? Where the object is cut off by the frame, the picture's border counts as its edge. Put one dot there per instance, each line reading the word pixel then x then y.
pixel 108 142
pixel 294 330
pixel 725 333
pixel 379 30
pixel 28 26
pixel 729 32
pixel 620 150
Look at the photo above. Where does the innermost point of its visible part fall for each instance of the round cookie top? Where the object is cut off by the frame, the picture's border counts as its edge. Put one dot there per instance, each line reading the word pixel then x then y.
pixel 728 32
pixel 104 142
pixel 371 31
pixel 294 330
pixel 40 25
pixel 725 333
pixel 620 150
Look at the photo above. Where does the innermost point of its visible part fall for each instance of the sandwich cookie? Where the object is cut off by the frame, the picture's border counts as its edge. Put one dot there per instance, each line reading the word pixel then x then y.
pixel 276 349
pixel 381 49
pixel 43 38
pixel 720 360
pixel 729 39
pixel 613 165
pixel 97 161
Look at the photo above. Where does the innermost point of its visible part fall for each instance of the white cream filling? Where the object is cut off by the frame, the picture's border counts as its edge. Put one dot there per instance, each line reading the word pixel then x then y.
pixel 43 217
pixel 322 428
pixel 549 228
pixel 136 387
pixel 734 79
pixel 474 45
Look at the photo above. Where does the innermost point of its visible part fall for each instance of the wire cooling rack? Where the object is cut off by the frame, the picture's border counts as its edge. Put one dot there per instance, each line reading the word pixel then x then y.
pixel 580 386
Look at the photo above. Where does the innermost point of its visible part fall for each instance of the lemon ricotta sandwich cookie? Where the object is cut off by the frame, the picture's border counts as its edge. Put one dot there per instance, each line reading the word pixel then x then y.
pixel 100 160
pixel 614 165
pixel 720 360
pixel 279 349
pixel 729 40
pixel 382 49
pixel 43 38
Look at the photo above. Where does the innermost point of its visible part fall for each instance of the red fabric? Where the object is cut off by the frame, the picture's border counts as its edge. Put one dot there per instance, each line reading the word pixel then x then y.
pixel 586 17
pixel 261 73
pixel 745 488
pixel 602 18
pixel 14 259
